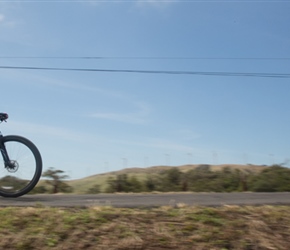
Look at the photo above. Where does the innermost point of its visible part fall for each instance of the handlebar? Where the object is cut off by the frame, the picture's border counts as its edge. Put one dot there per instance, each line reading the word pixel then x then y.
pixel 3 117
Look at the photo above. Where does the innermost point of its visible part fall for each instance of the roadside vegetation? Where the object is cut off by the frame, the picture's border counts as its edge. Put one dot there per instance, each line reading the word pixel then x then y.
pixel 202 178
pixel 181 227
pixel 54 183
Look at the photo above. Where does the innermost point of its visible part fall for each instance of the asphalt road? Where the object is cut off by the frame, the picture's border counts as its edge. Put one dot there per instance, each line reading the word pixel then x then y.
pixel 148 200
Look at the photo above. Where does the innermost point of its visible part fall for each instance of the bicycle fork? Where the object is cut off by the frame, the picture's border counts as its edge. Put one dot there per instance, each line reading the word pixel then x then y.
pixel 4 153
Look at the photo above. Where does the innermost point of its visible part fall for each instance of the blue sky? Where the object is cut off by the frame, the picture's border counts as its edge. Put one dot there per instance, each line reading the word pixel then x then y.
pixel 94 122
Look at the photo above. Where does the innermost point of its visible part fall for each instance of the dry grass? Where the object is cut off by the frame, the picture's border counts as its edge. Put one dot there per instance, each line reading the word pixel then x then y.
pixel 201 228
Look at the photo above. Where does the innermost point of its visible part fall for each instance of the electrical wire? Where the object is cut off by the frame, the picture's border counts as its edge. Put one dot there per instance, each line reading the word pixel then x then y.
pixel 236 74
pixel 147 1
pixel 143 58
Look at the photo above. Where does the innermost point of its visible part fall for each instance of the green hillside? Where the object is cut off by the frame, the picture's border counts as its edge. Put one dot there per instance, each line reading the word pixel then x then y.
pixel 82 185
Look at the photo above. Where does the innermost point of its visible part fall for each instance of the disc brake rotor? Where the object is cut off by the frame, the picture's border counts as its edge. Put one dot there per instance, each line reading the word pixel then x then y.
pixel 12 166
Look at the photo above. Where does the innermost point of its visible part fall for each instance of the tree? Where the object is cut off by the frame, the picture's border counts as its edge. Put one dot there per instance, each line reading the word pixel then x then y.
pixel 203 179
pixel 38 190
pixel 134 185
pixel 118 184
pixel 96 189
pixel 171 180
pixel 56 177
pixel 123 183
pixel 273 179
pixel 151 183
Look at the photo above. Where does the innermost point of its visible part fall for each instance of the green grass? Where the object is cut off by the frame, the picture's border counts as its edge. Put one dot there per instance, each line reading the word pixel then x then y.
pixel 228 227
pixel 82 185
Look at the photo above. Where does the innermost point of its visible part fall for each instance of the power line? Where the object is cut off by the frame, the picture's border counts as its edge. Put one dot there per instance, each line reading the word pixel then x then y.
pixel 144 58
pixel 236 74
pixel 146 1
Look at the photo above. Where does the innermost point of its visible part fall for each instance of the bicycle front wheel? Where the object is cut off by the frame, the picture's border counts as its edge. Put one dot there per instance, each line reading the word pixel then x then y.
pixel 25 167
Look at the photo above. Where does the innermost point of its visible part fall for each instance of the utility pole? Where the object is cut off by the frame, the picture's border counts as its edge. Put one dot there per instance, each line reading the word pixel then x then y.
pixel 167 159
pixel 125 162
pixel 145 161
pixel 189 158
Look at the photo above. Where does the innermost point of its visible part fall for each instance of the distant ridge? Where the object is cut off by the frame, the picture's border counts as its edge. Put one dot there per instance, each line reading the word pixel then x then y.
pixel 187 167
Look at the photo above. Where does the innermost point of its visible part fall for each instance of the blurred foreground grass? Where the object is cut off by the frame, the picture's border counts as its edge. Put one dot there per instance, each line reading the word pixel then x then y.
pixel 182 227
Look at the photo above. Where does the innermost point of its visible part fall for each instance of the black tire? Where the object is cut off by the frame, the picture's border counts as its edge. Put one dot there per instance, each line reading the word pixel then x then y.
pixel 28 167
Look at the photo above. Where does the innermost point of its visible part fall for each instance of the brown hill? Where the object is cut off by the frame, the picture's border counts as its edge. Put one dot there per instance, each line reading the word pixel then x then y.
pixel 185 168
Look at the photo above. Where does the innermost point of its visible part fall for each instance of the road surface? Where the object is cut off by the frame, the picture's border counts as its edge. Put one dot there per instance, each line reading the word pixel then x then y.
pixel 148 200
